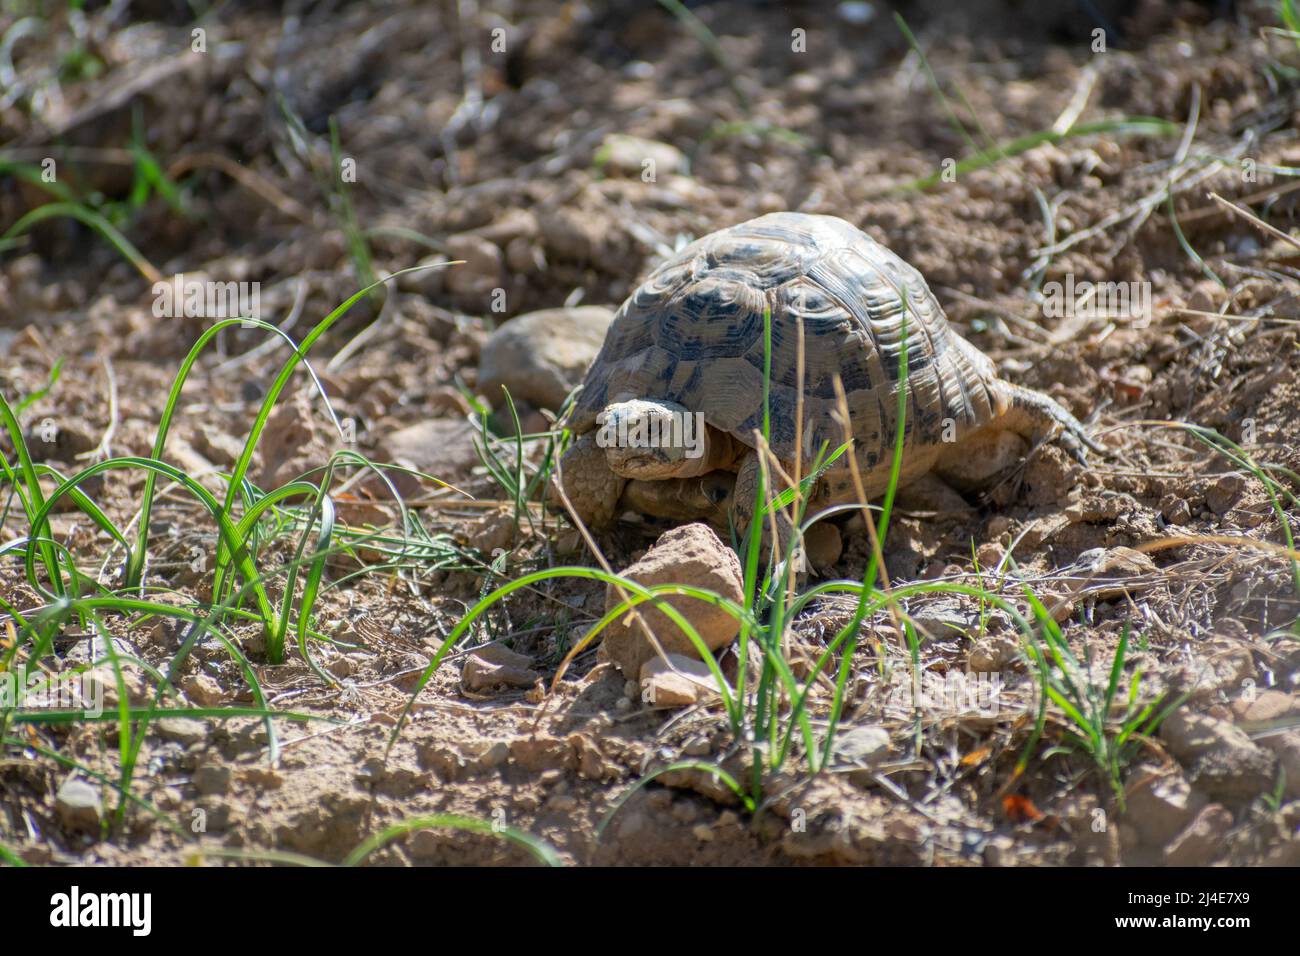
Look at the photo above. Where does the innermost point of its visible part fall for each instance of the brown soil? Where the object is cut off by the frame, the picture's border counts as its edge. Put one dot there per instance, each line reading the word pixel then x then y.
pixel 511 183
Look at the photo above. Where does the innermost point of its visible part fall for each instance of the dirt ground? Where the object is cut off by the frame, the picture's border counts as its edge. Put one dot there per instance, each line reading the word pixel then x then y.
pixel 480 131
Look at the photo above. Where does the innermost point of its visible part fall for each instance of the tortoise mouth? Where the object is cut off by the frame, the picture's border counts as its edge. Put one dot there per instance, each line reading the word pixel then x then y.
pixel 646 465
pixel 707 497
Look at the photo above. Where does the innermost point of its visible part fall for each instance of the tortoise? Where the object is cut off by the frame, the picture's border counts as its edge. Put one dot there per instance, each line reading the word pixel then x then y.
pixel 689 344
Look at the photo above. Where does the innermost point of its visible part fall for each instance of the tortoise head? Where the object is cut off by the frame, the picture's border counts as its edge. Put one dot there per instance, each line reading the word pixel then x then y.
pixel 652 439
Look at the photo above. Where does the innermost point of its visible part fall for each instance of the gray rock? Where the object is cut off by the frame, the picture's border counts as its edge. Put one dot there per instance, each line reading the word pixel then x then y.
pixel 632 156
pixel 442 447
pixel 481 269
pixel 542 356
pixel 676 681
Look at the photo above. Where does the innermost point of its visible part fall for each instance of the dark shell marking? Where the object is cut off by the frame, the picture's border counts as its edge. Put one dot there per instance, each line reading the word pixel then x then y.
pixel 693 333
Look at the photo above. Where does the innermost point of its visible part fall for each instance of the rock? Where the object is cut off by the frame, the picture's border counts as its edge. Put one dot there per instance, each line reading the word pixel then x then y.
pixel 262 778
pixel 482 270
pixel 442 447
pixel 212 778
pixel 593 764
pixel 676 681
pixel 1205 296
pixel 824 544
pixel 862 746
pixel 544 753
pixel 1159 805
pixel 704 782
pixel 1049 475
pixel 61 439
pixel 1223 666
pixel 1286 747
pixel 1266 706
pixel 1202 841
pixel 1220 759
pixel 1189 735
pixel 494 754
pixel 427 282
pixel 1176 510
pixel 631 825
pixel 494 665
pixel 1224 492
pixel 989 554
pixel 203 690
pixel 524 256
pixel 632 156
pixel 993 653
pixel 79 806
pixel 293 442
pixel 183 730
pixel 497 530
pixel 446 762
pixel 943 615
pixel 690 555
pixel 359 512
pixel 541 357
pixel 1104 570
pixel 218 445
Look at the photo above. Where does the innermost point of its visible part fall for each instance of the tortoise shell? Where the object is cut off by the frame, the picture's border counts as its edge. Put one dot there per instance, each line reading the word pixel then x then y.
pixel 693 333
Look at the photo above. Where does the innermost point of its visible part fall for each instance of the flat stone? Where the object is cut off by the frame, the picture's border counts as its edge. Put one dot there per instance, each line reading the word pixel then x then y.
pixel 676 681
pixel 203 690
pixel 992 654
pixel 495 665
pixel 1220 759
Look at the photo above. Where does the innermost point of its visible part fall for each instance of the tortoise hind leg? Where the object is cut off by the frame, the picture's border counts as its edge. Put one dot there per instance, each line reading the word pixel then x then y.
pixel 1038 418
